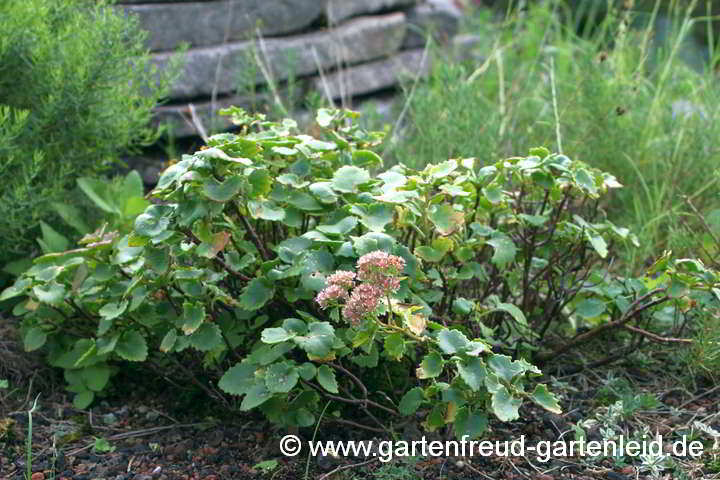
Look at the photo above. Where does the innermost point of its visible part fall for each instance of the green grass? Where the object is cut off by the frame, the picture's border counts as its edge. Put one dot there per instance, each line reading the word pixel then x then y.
pixel 605 97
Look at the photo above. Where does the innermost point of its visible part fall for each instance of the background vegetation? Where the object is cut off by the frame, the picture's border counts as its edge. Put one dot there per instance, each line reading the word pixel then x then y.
pixel 76 90
pixel 616 91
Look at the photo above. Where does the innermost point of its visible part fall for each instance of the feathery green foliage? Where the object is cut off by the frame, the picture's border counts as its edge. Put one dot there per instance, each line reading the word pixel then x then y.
pixel 76 89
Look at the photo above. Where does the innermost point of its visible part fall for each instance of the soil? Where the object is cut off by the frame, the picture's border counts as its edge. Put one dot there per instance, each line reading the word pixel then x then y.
pixel 155 431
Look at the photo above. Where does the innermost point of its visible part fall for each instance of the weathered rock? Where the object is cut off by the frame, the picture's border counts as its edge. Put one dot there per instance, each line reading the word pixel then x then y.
pixel 359 40
pixel 212 23
pixel 339 10
pixel 441 18
pixel 373 76
pixel 465 47
pixel 178 118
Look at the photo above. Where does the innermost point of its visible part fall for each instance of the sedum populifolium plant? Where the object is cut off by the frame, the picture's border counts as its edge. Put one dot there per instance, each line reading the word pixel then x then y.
pixel 283 268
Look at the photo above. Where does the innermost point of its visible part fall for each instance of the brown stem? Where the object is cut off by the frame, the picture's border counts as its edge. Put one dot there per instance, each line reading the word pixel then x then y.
pixel 657 338
pixel 634 309
pixel 253 236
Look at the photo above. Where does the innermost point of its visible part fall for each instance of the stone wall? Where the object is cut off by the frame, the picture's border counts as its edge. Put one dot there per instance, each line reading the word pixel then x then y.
pixel 342 48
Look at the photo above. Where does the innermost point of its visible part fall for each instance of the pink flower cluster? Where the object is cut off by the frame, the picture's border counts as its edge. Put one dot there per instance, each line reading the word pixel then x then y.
pixel 381 269
pixel 363 300
pixel 378 272
pixel 331 295
pixel 342 278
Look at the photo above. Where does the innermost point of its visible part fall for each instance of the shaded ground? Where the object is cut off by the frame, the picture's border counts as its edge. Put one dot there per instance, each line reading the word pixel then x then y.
pixel 161 432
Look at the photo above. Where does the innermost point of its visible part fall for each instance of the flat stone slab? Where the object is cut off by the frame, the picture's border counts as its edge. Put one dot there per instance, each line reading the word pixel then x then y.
pixel 179 118
pixel 212 23
pixel 373 76
pixel 441 18
pixel 359 40
pixel 339 10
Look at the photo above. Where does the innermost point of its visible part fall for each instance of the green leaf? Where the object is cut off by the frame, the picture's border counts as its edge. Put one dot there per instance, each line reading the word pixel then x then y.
pixel 326 378
pixel 112 310
pixel 18 288
pixel 504 367
pixel 260 181
pixel 295 326
pixel 256 294
pixel 318 145
pixel 153 222
pixel 303 201
pixel 323 191
pixel 222 192
pixel 281 377
pixel 206 338
pixel 472 424
pixel 431 366
pixel 442 170
pixel 319 340
pixel 446 219
pixel 436 417
pixel 104 326
pixel 52 293
pixel 598 244
pixel 342 227
pixel 132 346
pixel 256 396
pixel 514 312
pixel 193 316
pixel 239 379
pixel 505 406
pixel 585 180
pixel 106 345
pixel 158 259
pixel 275 335
pixel 266 210
pixel 395 345
pixel 173 172
pixel 132 185
pixel 83 400
pixel 168 341
pixel 34 338
pixel 429 254
pixel 375 216
pixel 545 399
pixel 101 445
pixel 95 377
pixel 292 180
pixel 534 220
pixel 494 193
pixel 52 241
pixel 324 117
pixel 307 371
pixel 677 288
pixel 505 250
pixel 348 178
pixel 473 372
pixel 366 158
pixel 72 216
pixel 462 306
pixel 292 247
pixel 590 308
pixel 266 465
pixel 96 190
pixel 411 401
pixel 452 341
pixel 372 241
